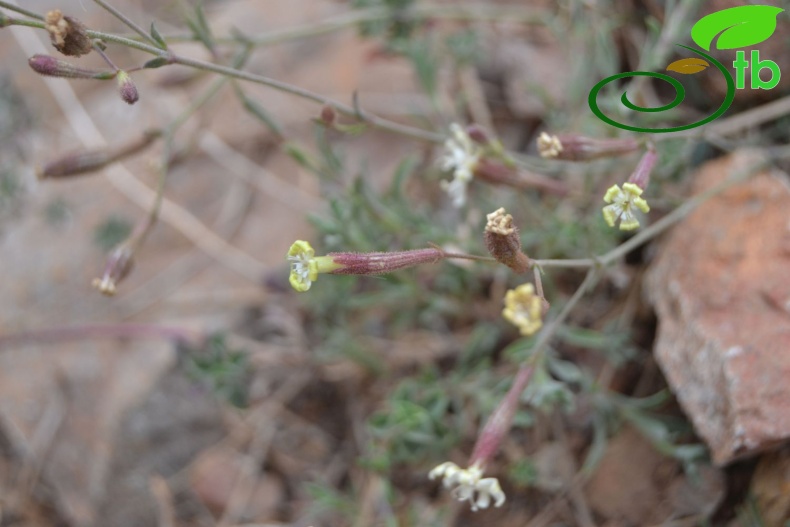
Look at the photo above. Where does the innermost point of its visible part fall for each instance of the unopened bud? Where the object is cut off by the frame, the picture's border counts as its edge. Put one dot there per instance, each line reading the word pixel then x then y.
pixel 67 34
pixel 118 266
pixel 641 174
pixel 503 242
pixel 478 134
pixel 54 67
pixel 87 161
pixel 328 115
pixel 127 88
pixel 574 147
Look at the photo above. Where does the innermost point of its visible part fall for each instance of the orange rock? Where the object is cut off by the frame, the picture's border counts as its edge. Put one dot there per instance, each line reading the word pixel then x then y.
pixel 721 289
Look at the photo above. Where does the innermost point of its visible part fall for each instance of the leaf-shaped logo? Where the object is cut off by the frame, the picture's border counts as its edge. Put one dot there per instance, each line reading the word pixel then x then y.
pixel 739 27
pixel 688 66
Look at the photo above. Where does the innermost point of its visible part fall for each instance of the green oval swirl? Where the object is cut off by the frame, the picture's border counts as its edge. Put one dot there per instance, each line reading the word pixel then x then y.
pixel 680 94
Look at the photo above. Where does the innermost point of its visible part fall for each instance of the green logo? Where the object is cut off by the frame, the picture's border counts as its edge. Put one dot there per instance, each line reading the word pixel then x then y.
pixel 736 27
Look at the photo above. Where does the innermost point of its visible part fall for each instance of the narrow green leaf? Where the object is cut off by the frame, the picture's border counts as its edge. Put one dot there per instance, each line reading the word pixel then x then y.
pixel 156 63
pixel 351 129
pixel 737 27
pixel 158 37
pixel 200 28
pixel 258 111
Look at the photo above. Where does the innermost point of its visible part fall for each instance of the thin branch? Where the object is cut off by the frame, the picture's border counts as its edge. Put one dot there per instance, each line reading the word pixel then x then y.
pixel 375 121
pixel 21 11
pixel 136 191
pixel 107 331
pixel 128 21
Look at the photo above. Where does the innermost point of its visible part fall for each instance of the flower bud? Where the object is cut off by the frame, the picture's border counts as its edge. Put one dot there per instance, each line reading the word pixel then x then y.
pixel 328 115
pixel 502 241
pixel 67 34
pixel 87 161
pixel 118 266
pixel 54 67
pixel 574 147
pixel 127 88
pixel 478 134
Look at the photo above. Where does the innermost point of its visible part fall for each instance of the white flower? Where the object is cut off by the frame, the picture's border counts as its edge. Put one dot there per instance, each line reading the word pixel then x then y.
pixel 623 202
pixel 304 270
pixel 549 146
pixel 467 485
pixel 461 156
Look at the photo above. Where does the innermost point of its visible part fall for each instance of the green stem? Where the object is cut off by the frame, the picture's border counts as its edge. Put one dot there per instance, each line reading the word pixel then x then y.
pixel 470 13
pixel 21 11
pixel 128 21
pixel 169 134
pixel 377 122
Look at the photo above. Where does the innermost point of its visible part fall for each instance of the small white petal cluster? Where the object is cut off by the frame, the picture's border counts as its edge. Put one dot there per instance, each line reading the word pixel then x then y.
pixel 461 156
pixel 549 146
pixel 468 485
pixel 623 204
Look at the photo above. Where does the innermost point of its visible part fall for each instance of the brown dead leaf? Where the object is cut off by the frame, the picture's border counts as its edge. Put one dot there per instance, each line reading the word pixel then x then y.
pixel 688 66
pixel 771 487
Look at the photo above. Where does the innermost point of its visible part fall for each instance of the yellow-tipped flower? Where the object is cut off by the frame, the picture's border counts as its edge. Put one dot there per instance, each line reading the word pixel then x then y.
pixel 305 265
pixel 622 204
pixel 524 309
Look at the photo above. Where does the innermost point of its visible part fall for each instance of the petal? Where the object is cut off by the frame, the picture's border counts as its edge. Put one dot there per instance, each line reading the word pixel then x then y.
pixel 463 492
pixel 629 224
pixel 491 486
pixel 483 500
pixel 611 213
pixel 641 204
pixel 301 248
pixel 633 189
pixel 613 193
pixel 299 282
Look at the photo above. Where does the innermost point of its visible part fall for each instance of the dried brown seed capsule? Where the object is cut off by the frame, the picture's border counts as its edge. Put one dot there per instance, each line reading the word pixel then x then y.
pixel 502 241
pixel 67 34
